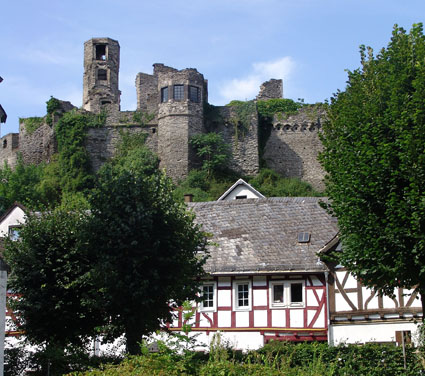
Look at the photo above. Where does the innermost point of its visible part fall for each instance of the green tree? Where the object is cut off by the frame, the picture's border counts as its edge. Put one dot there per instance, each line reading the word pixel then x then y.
pixel 51 266
pixel 374 156
pixel 212 150
pixel 19 185
pixel 147 244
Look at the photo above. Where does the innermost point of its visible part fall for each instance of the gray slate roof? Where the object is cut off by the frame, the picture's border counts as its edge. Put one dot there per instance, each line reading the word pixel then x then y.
pixel 261 235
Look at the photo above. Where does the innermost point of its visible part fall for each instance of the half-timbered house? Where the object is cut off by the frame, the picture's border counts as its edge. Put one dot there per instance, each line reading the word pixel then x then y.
pixel 265 279
pixel 358 314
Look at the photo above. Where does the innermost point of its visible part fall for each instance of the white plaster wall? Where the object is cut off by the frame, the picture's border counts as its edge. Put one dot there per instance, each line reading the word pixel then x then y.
pixel 224 298
pixel 224 319
pixel 260 297
pixel 243 340
pixel 259 281
pixel 311 299
pixel 15 217
pixel 242 319
pixel 320 322
pixel 297 318
pixel 342 305
pixel 260 318
pixel 361 333
pixel 278 318
pixel 224 281
pixel 241 190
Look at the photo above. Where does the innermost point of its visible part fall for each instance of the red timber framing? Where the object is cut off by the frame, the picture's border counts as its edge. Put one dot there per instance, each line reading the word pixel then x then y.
pixel 351 302
pixel 304 320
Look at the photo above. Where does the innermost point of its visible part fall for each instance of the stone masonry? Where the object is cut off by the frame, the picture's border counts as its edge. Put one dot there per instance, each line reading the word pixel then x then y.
pixel 170 110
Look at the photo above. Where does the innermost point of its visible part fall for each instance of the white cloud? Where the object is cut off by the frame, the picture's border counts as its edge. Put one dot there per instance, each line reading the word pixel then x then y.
pixel 247 87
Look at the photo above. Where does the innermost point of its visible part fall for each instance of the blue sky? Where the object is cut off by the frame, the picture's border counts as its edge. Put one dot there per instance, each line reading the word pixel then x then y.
pixel 236 44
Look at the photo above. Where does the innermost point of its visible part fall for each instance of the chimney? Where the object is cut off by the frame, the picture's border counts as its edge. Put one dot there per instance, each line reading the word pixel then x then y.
pixel 188 197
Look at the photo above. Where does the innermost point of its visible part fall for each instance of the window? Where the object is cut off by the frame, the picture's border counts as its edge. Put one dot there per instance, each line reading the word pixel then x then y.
pixel 242 295
pixel 14 232
pixel 208 296
pixel 286 294
pixel 101 52
pixel 102 75
pixel 178 92
pixel 303 237
pixel 194 94
pixel 164 94
pixel 241 197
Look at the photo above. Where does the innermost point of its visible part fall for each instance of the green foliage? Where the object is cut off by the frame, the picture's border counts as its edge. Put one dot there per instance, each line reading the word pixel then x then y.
pixel 32 123
pixel 51 264
pixel 52 105
pixel 267 109
pixel 212 150
pixel 271 184
pixel 142 118
pixel 243 115
pixel 277 358
pixel 73 161
pixel 268 182
pixel 20 185
pixel 204 187
pixel 374 155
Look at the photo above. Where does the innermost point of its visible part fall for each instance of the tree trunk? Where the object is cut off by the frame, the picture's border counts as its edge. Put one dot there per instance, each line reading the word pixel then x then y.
pixel 133 339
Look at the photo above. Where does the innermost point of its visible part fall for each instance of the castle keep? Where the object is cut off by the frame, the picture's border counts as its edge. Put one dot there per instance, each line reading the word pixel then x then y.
pixel 172 106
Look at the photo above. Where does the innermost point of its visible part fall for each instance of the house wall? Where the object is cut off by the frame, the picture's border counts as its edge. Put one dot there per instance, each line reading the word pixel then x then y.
pixel 15 217
pixel 253 327
pixel 369 332
pixel 359 314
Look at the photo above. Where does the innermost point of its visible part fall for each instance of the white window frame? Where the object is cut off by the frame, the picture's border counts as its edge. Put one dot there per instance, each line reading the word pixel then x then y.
pixel 286 294
pixel 236 306
pixel 214 307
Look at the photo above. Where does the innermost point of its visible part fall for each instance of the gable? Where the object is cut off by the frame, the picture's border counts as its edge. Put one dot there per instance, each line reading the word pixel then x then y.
pixel 13 217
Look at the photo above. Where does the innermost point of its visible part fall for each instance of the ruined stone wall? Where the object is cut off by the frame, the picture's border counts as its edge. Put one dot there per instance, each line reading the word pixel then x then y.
pixel 8 149
pixel 38 146
pixel 101 142
pixel 270 90
pixel 101 70
pixel 147 93
pixel 294 144
pixel 243 143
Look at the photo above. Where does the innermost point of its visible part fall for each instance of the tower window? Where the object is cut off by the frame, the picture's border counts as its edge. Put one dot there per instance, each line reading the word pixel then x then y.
pixel 194 94
pixel 4 144
pixel 101 52
pixel 164 94
pixel 178 92
pixel 102 75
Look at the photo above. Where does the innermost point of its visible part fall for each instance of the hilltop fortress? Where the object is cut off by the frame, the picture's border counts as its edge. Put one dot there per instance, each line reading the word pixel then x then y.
pixel 172 106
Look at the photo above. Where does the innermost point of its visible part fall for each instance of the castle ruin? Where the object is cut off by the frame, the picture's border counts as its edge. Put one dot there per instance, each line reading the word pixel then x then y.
pixel 172 106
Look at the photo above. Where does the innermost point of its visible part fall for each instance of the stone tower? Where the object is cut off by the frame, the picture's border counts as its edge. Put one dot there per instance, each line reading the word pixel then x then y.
pixel 101 69
pixel 180 116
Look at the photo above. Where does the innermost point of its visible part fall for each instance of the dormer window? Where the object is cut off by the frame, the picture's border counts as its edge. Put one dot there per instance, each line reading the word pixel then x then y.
pixel 303 237
pixel 101 52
